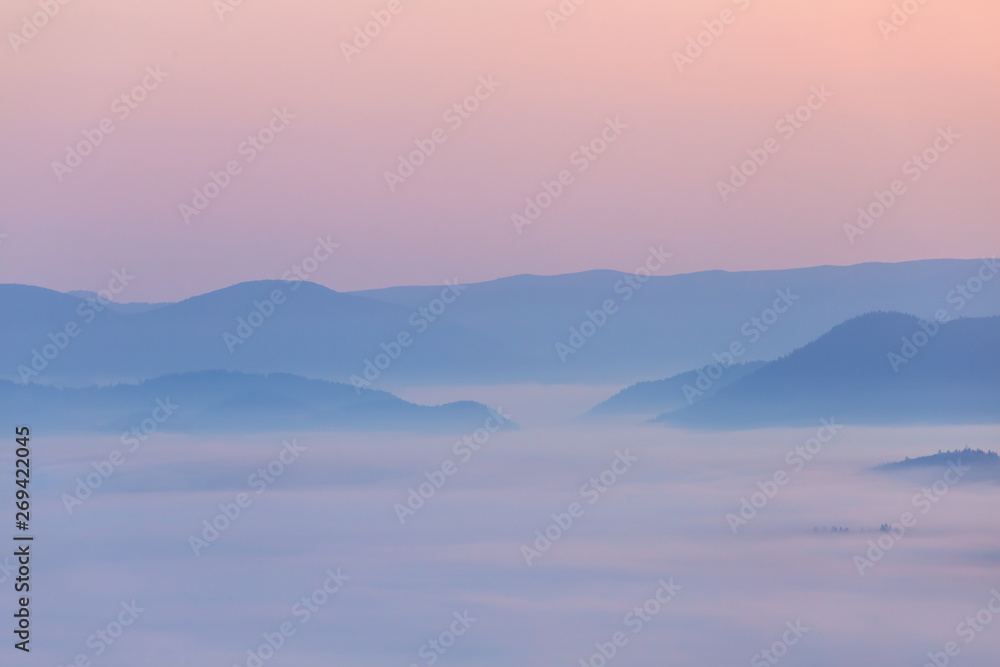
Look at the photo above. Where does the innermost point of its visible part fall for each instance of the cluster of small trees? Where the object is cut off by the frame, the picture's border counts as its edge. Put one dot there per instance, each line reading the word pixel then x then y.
pixel 884 528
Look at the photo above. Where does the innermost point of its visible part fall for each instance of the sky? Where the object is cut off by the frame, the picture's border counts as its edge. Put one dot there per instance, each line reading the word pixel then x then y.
pixel 668 120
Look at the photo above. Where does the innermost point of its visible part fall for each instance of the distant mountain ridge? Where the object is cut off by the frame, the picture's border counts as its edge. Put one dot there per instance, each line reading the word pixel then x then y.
pixel 850 374
pixel 502 331
pixel 676 392
pixel 134 307
pixel 976 457
pixel 967 465
pixel 214 401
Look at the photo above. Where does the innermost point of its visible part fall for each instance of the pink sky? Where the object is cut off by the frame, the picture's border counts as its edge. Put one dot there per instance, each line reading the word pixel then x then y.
pixel 324 174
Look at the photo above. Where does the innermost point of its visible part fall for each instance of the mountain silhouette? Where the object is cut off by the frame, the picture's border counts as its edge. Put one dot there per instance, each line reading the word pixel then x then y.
pixel 213 401
pixel 661 396
pixel 868 370
pixel 502 331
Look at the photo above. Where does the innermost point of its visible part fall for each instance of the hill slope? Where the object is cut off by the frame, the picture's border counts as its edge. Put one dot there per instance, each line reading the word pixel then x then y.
pixel 662 396
pixel 232 402
pixel 848 374
pixel 504 331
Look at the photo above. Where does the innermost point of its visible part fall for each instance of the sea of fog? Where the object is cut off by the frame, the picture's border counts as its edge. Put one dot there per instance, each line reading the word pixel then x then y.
pixel 333 560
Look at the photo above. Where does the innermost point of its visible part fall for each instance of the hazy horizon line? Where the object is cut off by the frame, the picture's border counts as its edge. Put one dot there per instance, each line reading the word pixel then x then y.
pixel 76 292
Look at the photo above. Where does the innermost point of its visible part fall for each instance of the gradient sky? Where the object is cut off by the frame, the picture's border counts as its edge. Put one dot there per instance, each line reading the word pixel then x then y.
pixel 324 174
